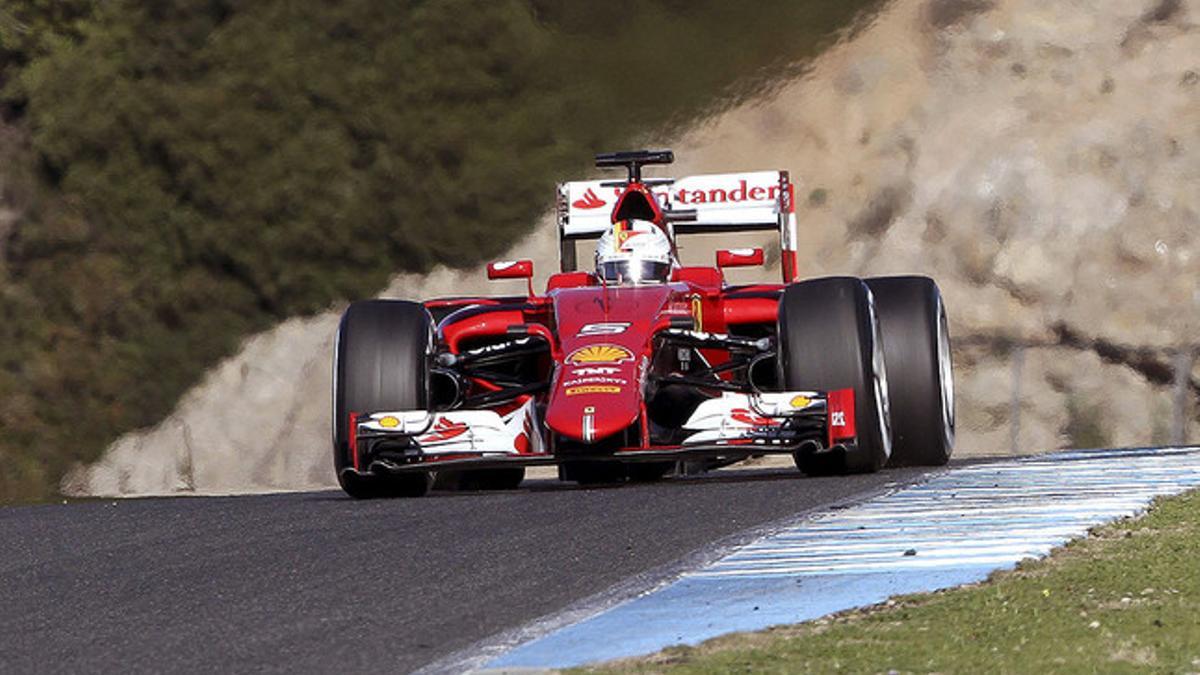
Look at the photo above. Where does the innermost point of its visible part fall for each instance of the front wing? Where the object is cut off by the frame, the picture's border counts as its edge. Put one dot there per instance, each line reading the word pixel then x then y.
pixel 731 424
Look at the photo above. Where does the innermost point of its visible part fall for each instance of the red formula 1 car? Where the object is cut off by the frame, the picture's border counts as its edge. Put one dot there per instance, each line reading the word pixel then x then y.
pixel 624 371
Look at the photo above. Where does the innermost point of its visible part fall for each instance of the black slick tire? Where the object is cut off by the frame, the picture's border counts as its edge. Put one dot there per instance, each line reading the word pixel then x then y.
pixel 480 479
pixel 828 340
pixel 592 472
pixel 916 341
pixel 648 472
pixel 380 363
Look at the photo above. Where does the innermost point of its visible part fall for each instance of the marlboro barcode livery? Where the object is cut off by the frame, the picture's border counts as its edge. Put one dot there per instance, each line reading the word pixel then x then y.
pixel 629 363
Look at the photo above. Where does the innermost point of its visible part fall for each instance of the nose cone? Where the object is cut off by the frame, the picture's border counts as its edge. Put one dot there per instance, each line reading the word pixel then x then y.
pixel 605 333
pixel 595 395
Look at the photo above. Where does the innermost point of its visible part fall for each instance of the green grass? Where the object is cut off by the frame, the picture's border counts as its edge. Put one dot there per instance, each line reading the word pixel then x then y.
pixel 1126 599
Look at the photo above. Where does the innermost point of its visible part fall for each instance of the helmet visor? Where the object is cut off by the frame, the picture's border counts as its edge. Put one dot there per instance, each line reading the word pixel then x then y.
pixel 634 271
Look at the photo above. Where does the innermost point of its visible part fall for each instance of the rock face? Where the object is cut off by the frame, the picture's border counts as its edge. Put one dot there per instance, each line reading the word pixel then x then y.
pixel 1040 160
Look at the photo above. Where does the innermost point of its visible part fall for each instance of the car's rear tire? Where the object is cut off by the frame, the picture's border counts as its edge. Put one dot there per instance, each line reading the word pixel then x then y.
pixel 600 472
pixel 648 472
pixel 592 472
pixel 381 362
pixel 916 347
pixel 480 479
pixel 829 339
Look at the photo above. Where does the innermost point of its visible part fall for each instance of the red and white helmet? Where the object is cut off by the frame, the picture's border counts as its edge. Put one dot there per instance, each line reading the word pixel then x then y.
pixel 634 252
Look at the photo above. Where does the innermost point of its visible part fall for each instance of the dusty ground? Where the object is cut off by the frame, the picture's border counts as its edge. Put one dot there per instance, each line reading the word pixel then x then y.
pixel 1038 159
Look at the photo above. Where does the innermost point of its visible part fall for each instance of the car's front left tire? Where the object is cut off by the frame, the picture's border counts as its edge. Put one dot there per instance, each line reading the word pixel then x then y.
pixel 381 363
pixel 480 480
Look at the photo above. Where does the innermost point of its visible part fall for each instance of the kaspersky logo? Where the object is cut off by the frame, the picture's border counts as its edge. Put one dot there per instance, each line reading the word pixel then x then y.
pixel 589 201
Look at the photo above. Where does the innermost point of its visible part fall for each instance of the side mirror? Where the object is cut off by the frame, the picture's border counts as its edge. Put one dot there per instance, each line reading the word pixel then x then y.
pixel 512 269
pixel 739 257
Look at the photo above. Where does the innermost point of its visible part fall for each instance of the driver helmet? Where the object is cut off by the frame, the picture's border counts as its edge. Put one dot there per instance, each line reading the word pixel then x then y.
pixel 634 252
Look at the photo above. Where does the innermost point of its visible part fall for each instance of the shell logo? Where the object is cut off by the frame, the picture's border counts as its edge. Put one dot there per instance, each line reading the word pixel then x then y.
pixel 593 389
pixel 799 402
pixel 600 354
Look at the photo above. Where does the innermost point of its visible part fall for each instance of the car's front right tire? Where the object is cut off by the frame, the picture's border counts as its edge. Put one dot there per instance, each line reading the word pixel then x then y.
pixel 829 339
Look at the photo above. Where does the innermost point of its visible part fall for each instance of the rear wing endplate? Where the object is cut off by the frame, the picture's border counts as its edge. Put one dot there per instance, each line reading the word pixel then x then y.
pixel 712 203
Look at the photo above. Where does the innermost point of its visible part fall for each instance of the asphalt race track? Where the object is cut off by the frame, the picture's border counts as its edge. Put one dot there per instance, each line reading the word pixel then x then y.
pixel 318 582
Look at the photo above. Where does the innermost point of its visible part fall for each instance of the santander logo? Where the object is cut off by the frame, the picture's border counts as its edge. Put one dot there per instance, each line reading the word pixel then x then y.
pixel 750 418
pixel 589 201
pixel 743 192
pixel 444 430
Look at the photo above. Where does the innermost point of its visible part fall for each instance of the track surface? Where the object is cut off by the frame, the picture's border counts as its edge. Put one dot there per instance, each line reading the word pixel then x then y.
pixel 317 582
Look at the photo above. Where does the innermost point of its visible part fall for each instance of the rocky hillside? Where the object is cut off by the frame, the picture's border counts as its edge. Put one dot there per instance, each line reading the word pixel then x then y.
pixel 1039 159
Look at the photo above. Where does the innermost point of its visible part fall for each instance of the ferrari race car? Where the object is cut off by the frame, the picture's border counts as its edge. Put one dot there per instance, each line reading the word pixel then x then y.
pixel 633 368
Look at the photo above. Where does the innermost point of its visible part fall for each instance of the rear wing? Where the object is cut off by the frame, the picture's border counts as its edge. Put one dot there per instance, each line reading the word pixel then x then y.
pixel 727 202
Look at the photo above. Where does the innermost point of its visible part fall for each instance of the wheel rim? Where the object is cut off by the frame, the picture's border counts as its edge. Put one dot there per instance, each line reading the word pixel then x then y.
pixel 946 377
pixel 879 379
pixel 333 412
